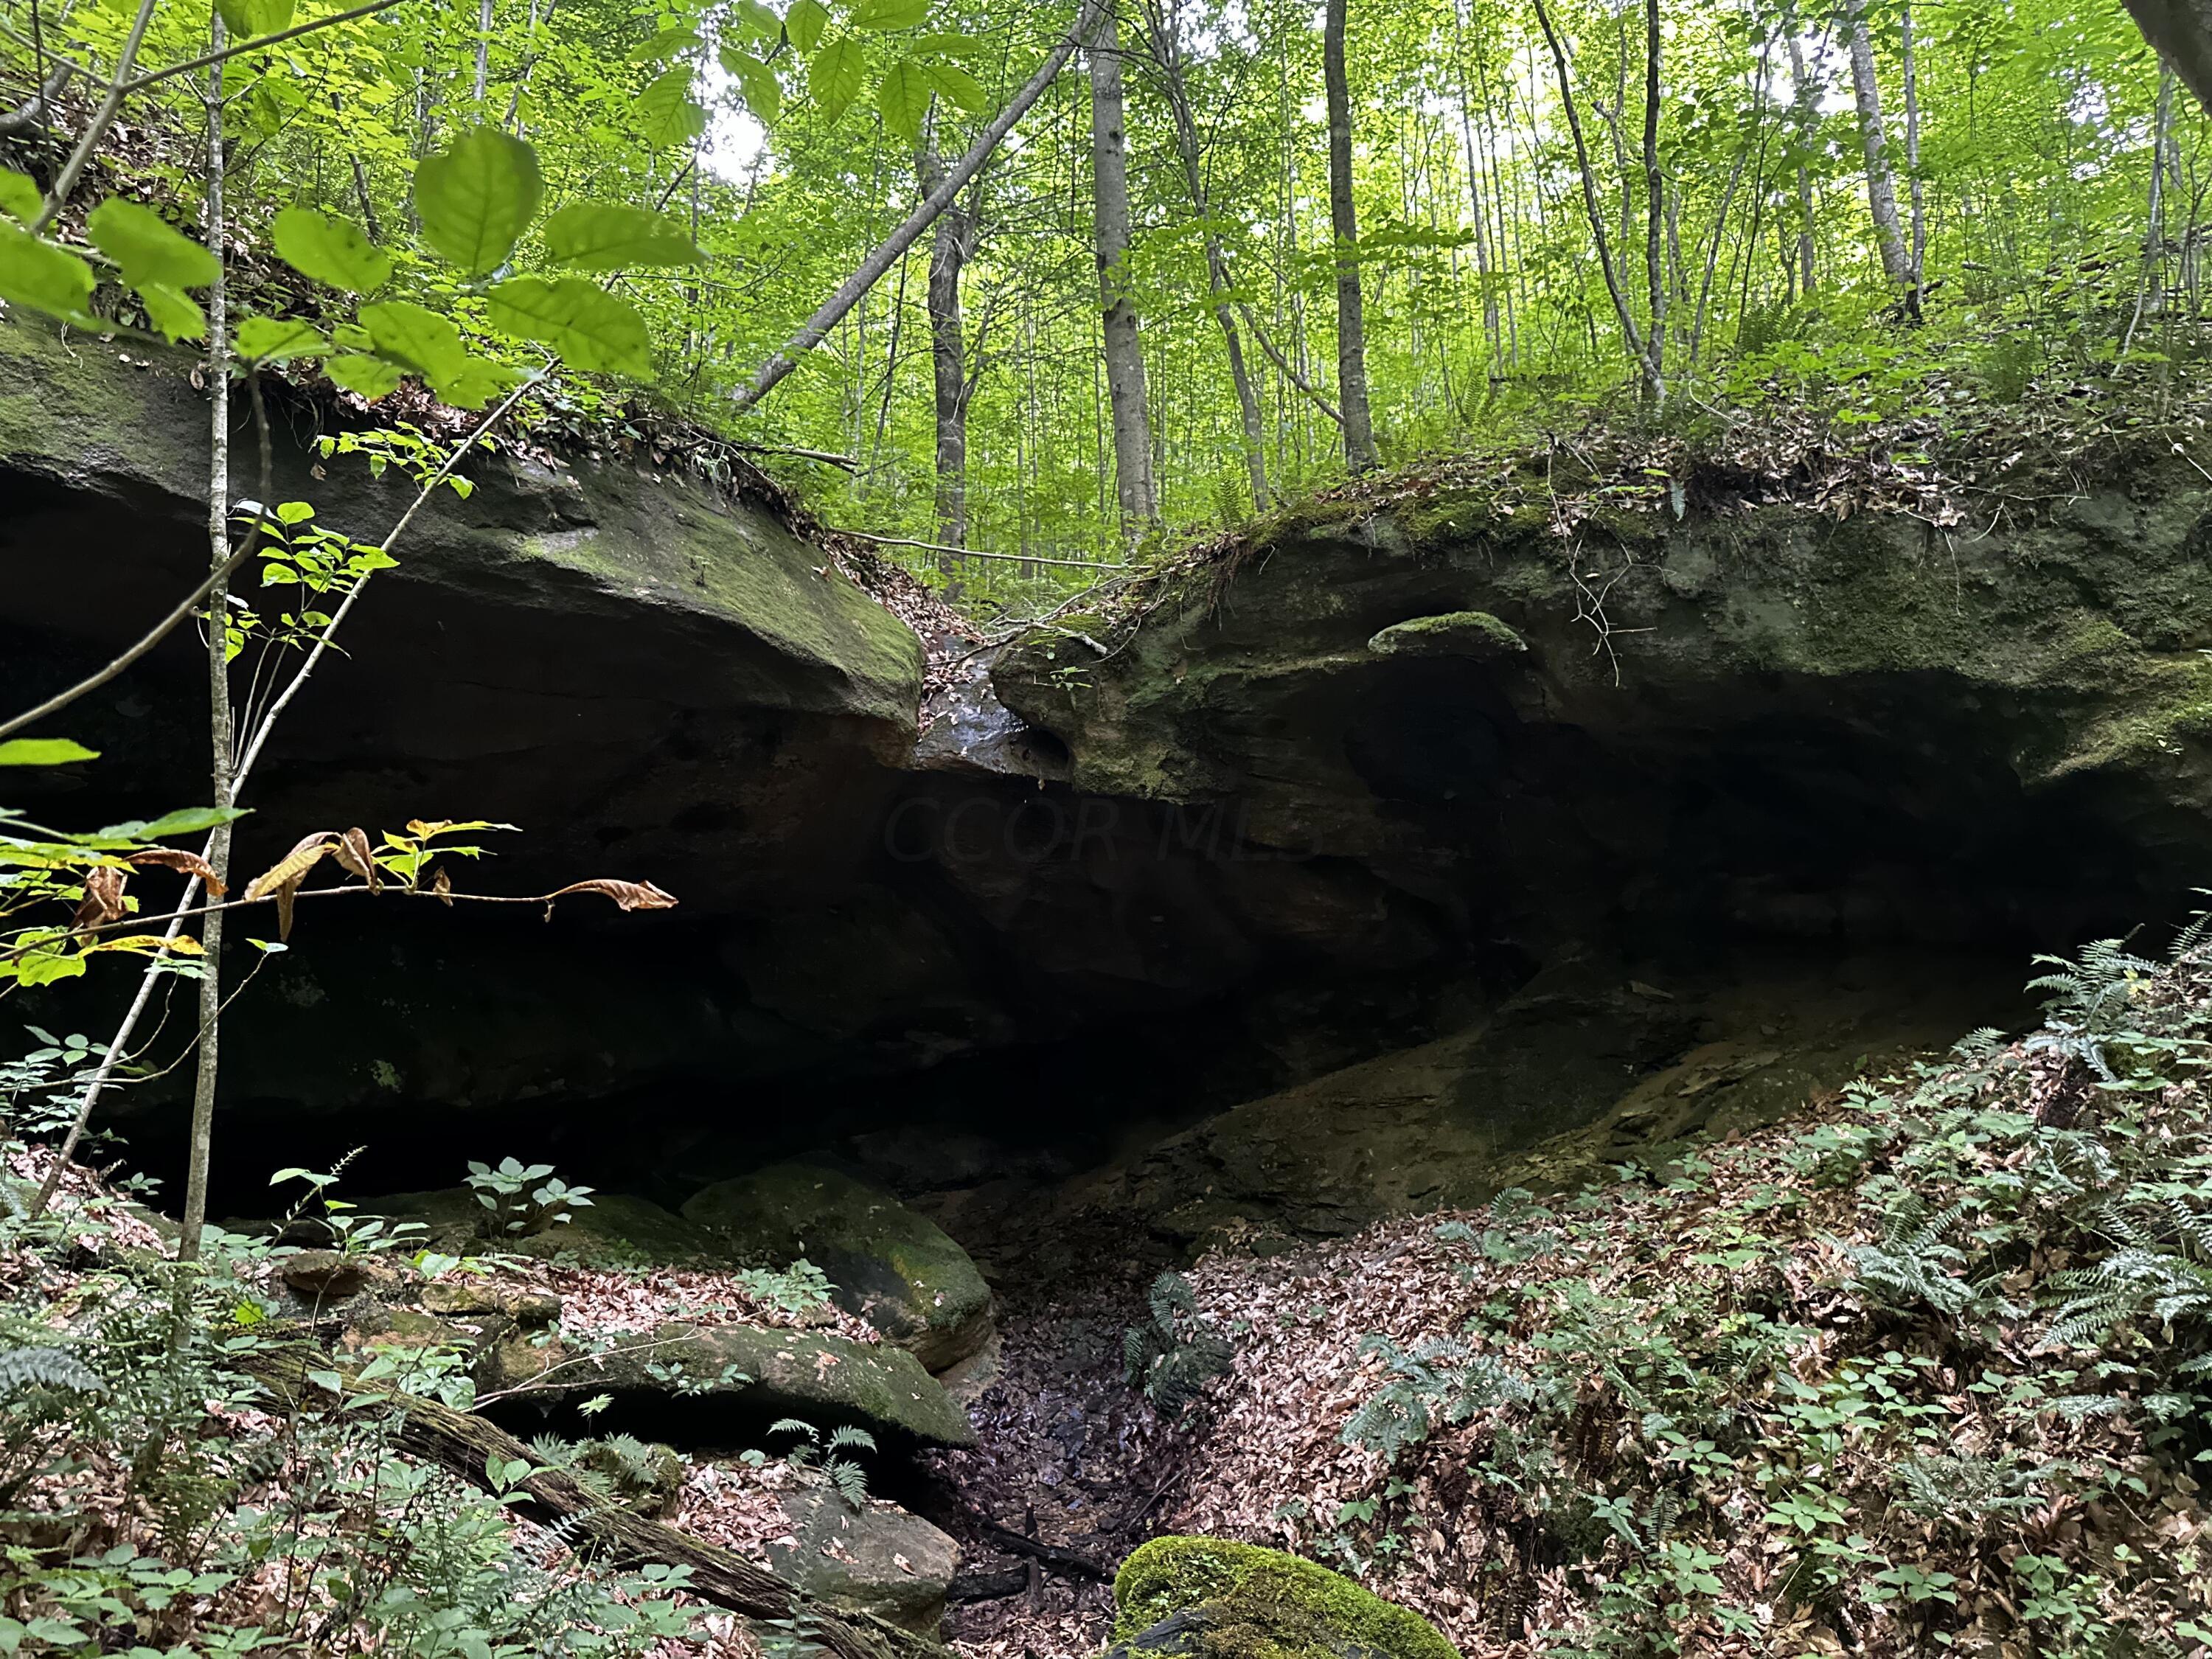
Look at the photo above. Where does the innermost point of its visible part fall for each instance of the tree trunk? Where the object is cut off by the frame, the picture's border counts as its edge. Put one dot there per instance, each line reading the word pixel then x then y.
pixel 1917 244
pixel 483 48
pixel 1167 51
pixel 2181 30
pixel 1655 187
pixel 205 1069
pixel 2150 288
pixel 816 328
pixel 1802 95
pixel 952 245
pixel 1124 346
pixel 1653 389
pixel 1344 222
pixel 1881 184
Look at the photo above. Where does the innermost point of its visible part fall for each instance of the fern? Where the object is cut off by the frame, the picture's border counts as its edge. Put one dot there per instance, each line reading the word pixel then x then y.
pixel 1442 1380
pixel 55 1368
pixel 1173 1357
pixel 1913 1264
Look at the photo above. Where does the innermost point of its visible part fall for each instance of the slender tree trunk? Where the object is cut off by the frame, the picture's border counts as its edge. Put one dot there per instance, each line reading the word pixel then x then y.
pixel 1882 183
pixel 218 667
pixel 1124 345
pixel 1344 222
pixel 2150 288
pixel 483 48
pixel 1653 388
pixel 950 247
pixel 886 254
pixel 1655 188
pixel 1803 95
pixel 1916 248
pixel 1166 39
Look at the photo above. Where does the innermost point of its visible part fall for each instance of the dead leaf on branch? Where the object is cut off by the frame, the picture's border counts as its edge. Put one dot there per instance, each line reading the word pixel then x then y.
pixel 103 898
pixel 352 852
pixel 627 894
pixel 441 887
pixel 184 864
pixel 281 881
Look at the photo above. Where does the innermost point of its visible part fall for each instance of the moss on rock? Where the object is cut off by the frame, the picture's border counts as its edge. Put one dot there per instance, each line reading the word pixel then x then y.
pixel 1454 634
pixel 891 1266
pixel 1261 1603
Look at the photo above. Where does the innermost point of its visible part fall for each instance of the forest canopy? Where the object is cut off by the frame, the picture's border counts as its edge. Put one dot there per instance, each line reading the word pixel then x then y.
pixel 1218 246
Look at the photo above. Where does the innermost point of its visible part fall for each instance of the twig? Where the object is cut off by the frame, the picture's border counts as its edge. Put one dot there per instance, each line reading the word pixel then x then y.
pixel 160 631
pixel 256 43
pixel 823 455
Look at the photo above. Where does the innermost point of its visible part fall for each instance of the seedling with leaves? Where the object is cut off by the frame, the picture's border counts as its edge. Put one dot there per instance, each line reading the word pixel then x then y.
pixel 811 1450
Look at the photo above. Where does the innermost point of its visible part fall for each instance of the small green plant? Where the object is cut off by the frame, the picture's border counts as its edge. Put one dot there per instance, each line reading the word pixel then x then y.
pixel 524 1200
pixel 1173 1355
pixel 811 1450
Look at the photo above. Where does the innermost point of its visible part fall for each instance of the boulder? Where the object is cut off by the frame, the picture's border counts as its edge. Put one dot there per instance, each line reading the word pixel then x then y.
pixel 1454 634
pixel 614 1229
pixel 1210 1598
pixel 891 1266
pixel 741 1371
pixel 877 1557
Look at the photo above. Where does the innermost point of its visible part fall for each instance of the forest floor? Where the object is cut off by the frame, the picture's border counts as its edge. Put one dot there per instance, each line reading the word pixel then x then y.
pixel 1924 1364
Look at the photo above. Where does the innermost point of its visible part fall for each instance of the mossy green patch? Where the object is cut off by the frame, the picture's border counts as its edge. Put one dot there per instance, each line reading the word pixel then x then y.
pixel 1264 1604
pixel 1454 634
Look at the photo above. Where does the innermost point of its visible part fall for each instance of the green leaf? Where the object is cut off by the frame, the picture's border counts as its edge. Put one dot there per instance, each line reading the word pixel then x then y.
pixel 414 337
pixel 44 751
pixel 19 195
pixel 475 384
pixel 805 24
pixel 758 19
pixel 959 88
pixel 834 77
pixel 35 273
pixel 603 236
pixel 330 250
pixel 668 43
pixel 275 340
pixel 352 336
pixel 245 19
pixel 369 377
pixel 888 14
pixel 756 82
pixel 590 327
pixel 42 968
pixel 185 821
pixel 476 200
pixel 146 246
pixel 666 113
pixel 903 99
pixel 176 315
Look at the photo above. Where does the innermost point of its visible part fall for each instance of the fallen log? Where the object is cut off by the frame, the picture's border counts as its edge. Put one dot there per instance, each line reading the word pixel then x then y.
pixel 466 1445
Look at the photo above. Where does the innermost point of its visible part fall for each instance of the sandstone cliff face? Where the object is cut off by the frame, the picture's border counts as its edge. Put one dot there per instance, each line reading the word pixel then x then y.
pixel 1340 793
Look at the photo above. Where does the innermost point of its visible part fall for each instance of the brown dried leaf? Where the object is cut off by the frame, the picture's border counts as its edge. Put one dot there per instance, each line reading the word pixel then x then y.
pixel 629 895
pixel 441 885
pixel 422 831
pixel 103 898
pixel 184 864
pixel 292 869
pixel 352 853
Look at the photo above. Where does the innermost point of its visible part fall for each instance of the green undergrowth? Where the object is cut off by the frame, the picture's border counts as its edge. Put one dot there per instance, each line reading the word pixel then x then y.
pixel 1929 1370
pixel 153 1501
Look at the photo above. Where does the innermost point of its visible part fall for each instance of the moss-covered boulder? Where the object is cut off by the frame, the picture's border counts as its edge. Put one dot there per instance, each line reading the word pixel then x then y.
pixel 891 1266
pixel 743 1374
pixel 1454 634
pixel 1210 1598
